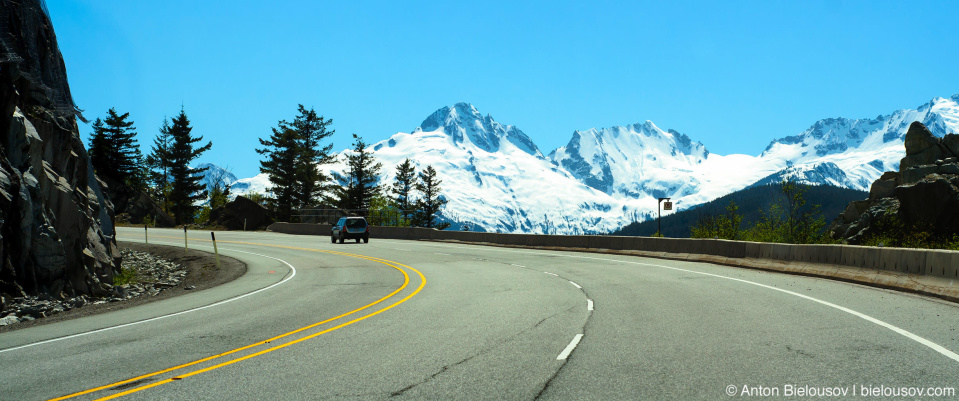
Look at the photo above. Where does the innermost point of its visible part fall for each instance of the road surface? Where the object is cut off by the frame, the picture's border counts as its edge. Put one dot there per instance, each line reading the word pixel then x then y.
pixel 422 320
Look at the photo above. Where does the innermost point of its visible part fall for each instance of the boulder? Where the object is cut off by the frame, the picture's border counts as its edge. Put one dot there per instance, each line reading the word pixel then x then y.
pixel 923 195
pixel 884 186
pixel 933 202
pixel 922 147
pixel 241 211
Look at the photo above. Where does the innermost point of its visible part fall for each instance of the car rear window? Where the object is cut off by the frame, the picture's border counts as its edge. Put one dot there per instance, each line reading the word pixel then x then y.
pixel 355 223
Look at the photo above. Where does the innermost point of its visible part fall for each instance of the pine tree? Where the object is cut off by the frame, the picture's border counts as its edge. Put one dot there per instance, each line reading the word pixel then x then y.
pixel 362 179
pixel 185 188
pixel 429 204
pixel 280 165
pixel 99 150
pixel 115 153
pixel 293 156
pixel 404 182
pixel 159 164
pixel 311 130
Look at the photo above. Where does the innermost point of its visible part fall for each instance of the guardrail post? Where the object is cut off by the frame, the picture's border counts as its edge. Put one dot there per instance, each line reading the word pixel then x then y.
pixel 215 251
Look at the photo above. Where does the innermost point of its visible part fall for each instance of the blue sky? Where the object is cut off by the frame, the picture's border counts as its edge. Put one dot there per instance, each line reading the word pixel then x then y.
pixel 733 74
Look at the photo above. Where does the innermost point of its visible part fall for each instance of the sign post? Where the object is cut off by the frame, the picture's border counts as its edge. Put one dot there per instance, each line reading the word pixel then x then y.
pixel 659 215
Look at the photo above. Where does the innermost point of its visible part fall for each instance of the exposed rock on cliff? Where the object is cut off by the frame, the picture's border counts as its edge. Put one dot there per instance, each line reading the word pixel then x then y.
pixel 924 194
pixel 56 225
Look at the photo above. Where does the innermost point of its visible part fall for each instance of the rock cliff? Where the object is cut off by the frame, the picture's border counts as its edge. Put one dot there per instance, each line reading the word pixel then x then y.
pixel 922 195
pixel 56 226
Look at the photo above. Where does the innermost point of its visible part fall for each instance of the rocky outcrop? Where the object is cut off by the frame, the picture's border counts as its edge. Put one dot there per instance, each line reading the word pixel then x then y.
pixel 924 194
pixel 239 213
pixel 56 225
pixel 135 207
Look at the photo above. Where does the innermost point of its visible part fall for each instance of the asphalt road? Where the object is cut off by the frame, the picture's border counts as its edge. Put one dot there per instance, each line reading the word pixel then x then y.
pixel 421 320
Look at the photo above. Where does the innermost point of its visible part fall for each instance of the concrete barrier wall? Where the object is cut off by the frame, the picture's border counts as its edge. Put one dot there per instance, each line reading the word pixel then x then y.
pixel 937 263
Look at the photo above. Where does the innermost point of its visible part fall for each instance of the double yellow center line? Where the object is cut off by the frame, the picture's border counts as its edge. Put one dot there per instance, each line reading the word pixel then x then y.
pixel 395 265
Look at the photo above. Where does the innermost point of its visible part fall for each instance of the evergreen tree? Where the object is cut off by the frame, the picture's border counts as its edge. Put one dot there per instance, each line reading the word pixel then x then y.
pixel 115 153
pixel 280 165
pixel 404 182
pixel 311 130
pixel 362 180
pixel 185 188
pixel 429 204
pixel 293 156
pixel 99 150
pixel 158 162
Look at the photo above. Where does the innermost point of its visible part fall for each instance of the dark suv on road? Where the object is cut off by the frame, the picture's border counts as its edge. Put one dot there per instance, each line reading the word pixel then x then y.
pixel 350 228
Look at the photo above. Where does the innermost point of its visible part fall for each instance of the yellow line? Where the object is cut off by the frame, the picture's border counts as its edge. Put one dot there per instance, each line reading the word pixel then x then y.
pixel 406 280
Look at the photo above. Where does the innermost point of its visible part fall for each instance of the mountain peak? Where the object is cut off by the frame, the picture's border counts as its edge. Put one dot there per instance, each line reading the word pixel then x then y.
pixel 464 124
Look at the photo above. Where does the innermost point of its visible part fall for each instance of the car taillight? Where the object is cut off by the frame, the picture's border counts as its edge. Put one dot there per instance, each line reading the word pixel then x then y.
pixel 367 228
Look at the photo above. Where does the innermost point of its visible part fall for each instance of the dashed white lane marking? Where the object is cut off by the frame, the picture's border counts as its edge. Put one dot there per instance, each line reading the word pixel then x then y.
pixel 569 348
pixel 552 274
pixel 589 304
pixel 576 285
pixel 905 333
pixel 440 253
pixel 514 264
pixel 292 273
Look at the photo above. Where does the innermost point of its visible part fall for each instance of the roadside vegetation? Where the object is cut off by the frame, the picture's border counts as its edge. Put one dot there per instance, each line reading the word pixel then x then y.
pixel 790 218
pixel 292 157
pixel 889 231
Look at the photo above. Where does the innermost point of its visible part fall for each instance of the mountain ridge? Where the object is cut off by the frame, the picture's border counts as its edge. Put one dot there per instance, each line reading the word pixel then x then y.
pixel 497 179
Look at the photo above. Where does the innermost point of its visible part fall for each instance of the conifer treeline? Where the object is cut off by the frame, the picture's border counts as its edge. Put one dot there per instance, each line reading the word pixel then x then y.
pixel 165 173
pixel 292 156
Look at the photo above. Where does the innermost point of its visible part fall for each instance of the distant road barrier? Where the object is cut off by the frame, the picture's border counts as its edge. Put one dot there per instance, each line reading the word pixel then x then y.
pixel 933 272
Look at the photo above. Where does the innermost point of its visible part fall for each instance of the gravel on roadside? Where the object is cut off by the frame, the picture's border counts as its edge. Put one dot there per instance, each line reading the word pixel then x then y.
pixel 155 272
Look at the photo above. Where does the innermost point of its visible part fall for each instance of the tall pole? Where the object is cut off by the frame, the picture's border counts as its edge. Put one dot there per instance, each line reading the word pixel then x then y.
pixel 659 216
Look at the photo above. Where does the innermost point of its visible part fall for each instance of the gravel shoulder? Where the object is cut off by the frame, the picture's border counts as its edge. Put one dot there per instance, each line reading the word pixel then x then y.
pixel 201 273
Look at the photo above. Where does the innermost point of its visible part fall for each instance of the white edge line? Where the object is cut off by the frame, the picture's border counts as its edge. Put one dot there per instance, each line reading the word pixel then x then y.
pixel 293 270
pixel 552 274
pixel 569 348
pixel 936 347
pixel 576 285
pixel 589 304
pixel 905 333
pixel 514 264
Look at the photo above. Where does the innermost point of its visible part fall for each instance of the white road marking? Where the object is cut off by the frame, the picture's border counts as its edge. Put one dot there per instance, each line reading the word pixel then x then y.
pixel 438 253
pixel 589 304
pixel 292 273
pixel 552 274
pixel 576 285
pixel 569 348
pixel 514 264
pixel 935 347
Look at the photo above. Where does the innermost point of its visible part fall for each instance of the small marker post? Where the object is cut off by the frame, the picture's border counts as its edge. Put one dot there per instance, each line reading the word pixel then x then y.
pixel 244 224
pixel 186 246
pixel 146 235
pixel 215 251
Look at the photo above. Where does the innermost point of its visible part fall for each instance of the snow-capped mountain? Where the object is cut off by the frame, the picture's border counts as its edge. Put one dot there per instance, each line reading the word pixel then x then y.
pixel 259 184
pixel 636 161
pixel 853 153
pixel 496 179
pixel 216 173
